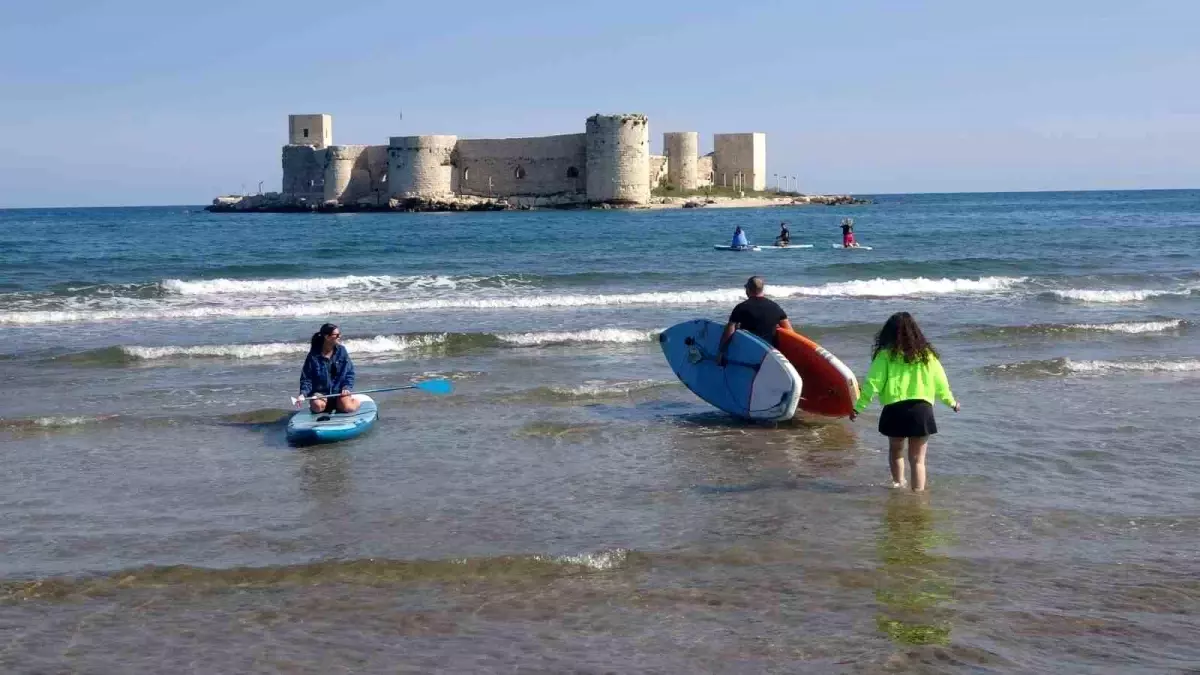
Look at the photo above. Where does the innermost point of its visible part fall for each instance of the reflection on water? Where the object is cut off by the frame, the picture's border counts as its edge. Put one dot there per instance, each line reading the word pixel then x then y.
pixel 911 586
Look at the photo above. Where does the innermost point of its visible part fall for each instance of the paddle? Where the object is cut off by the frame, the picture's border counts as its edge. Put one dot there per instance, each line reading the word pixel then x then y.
pixel 440 386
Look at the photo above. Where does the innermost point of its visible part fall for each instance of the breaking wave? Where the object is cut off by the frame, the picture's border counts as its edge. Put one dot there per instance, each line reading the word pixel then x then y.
pixel 595 335
pixel 1064 366
pixel 1123 327
pixel 372 572
pixel 1113 296
pixel 322 285
pixel 512 299
pixel 54 422
pixel 379 344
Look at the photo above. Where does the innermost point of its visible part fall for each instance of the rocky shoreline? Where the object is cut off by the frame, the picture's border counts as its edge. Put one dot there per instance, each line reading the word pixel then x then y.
pixel 274 202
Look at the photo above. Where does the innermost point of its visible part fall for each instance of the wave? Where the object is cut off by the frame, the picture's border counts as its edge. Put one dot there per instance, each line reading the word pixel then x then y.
pixel 1125 327
pixel 593 389
pixel 1132 327
pixel 889 288
pixel 380 344
pixel 863 288
pixel 372 572
pixel 594 335
pixel 1115 296
pixel 325 284
pixel 54 422
pixel 1064 366
pixel 455 343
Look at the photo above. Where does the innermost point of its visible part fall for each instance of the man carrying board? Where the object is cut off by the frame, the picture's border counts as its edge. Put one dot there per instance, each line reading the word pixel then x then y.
pixel 757 314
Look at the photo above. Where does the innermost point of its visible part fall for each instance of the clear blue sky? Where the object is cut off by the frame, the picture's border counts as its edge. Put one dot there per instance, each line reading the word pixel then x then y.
pixel 110 102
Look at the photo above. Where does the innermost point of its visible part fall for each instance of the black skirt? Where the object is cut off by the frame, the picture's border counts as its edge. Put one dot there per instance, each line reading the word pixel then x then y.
pixel 907 419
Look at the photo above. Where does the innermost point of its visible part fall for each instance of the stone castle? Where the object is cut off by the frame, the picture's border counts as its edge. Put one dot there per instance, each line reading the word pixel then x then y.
pixel 610 163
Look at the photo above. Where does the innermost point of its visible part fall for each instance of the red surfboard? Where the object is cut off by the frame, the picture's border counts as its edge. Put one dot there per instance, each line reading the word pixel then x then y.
pixel 830 388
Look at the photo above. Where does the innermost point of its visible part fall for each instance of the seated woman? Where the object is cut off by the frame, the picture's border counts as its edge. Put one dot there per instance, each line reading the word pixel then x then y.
pixel 739 238
pixel 328 370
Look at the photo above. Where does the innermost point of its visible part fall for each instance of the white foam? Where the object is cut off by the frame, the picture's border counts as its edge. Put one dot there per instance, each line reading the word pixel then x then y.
pixel 1113 296
pixel 1132 327
pixel 1184 366
pixel 601 388
pixel 595 335
pixel 380 344
pixel 603 560
pixel 887 288
pixel 66 421
pixel 343 307
pixel 314 285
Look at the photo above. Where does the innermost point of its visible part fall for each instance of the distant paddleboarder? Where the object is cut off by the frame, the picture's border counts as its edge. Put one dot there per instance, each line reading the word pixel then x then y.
pixel 739 238
pixel 785 235
pixel 328 370
pixel 848 233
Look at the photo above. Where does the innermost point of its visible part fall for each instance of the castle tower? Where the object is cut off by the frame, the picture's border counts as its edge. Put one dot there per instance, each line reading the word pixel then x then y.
pixel 743 156
pixel 345 173
pixel 618 159
pixel 420 166
pixel 314 130
pixel 682 149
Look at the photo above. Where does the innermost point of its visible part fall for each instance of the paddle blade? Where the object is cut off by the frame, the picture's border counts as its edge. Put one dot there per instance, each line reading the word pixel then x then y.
pixel 435 386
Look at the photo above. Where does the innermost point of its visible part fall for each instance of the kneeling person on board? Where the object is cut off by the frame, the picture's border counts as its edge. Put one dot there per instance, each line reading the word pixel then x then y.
pixel 785 236
pixel 757 314
pixel 328 370
pixel 739 238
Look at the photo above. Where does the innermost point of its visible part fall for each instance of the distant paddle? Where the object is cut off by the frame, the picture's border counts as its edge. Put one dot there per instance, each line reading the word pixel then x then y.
pixel 439 386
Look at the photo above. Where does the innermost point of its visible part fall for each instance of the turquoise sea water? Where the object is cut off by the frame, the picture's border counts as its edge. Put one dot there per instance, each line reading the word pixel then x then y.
pixel 571 507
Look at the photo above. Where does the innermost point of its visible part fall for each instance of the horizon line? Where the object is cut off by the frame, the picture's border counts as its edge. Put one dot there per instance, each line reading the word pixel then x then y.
pixel 852 194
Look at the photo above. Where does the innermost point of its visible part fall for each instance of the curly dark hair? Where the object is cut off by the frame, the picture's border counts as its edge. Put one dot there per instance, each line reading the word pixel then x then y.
pixel 901 335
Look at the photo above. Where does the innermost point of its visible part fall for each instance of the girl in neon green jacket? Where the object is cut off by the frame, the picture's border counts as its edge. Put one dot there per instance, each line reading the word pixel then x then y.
pixel 908 377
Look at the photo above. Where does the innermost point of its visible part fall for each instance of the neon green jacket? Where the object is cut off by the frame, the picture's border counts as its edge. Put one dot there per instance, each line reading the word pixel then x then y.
pixel 896 380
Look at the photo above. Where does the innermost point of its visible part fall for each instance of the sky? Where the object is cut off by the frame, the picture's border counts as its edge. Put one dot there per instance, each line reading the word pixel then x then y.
pixel 150 102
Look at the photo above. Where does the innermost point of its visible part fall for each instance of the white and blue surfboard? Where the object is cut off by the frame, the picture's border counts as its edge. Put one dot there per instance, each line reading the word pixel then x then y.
pixel 308 428
pixel 755 383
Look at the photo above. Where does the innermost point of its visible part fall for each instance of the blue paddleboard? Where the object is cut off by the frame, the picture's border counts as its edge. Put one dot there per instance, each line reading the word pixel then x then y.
pixel 756 382
pixel 307 428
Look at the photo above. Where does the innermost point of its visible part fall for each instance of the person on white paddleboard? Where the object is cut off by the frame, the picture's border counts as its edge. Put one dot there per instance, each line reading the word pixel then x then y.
pixel 785 235
pixel 848 233
pixel 328 370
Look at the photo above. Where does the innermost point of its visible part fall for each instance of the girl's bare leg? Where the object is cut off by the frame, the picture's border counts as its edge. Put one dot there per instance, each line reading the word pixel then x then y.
pixel 916 460
pixel 896 460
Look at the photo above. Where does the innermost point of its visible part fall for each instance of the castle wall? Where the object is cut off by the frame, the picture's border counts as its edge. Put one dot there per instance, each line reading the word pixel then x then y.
pixel 545 166
pixel 682 149
pixel 745 153
pixel 314 130
pixel 658 170
pixel 618 159
pixel 303 172
pixel 704 170
pixel 421 166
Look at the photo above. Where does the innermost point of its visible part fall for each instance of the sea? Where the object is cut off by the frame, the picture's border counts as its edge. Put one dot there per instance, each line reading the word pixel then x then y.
pixel 570 506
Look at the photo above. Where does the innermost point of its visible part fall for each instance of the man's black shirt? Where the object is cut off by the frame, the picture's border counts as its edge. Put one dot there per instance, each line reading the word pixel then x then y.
pixel 760 316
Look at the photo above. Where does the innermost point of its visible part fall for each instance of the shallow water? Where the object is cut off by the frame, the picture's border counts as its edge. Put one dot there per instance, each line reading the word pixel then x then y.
pixel 571 507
